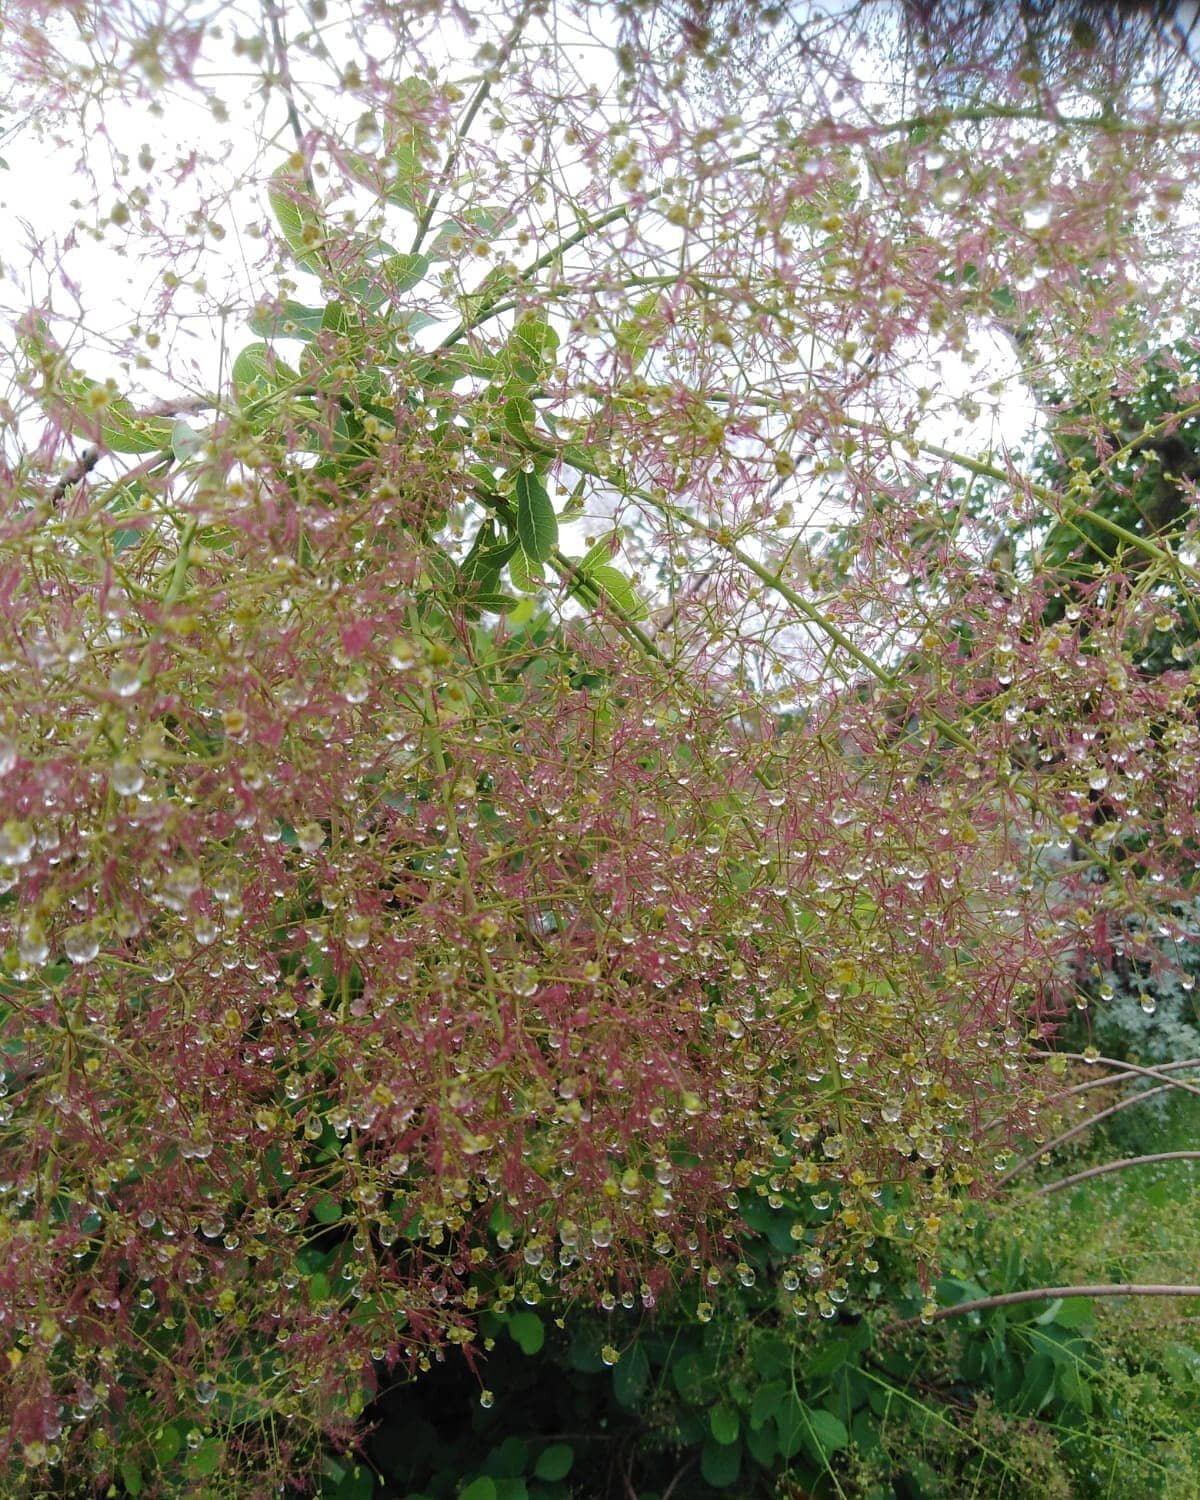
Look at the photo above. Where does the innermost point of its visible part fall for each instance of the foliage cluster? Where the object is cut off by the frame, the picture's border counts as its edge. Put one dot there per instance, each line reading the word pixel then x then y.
pixel 471 840
pixel 1067 1397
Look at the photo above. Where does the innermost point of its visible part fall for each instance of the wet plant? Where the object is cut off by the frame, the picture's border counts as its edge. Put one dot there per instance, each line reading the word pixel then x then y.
pixel 473 826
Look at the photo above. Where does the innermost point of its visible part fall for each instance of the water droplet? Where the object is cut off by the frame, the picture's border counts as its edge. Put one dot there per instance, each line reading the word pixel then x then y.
pixel 127 777
pixel 358 931
pixel 81 944
pixel 310 837
pixel 8 755
pixel 205 931
pixel 402 654
pixel 33 946
pixel 125 680
pixel 16 842
pixel 1037 215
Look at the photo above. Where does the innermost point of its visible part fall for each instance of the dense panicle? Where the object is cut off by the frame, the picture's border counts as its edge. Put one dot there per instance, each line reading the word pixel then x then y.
pixel 540 701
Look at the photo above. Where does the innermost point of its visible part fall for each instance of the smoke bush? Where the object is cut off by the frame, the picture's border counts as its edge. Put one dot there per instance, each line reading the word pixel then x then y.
pixel 520 746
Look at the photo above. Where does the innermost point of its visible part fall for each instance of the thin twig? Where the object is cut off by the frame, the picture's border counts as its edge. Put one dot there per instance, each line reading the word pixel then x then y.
pixel 464 127
pixel 1075 1130
pixel 283 67
pixel 670 1489
pixel 80 469
pixel 1109 1083
pixel 1046 1294
pixel 1158 1074
pixel 1114 1166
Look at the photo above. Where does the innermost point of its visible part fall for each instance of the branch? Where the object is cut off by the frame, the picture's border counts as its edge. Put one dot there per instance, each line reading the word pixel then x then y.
pixel 1107 1083
pixel 492 306
pixel 1114 1166
pixel 1047 1294
pixel 80 469
pixel 1158 1074
pixel 464 127
pixel 1075 1130
pixel 1069 509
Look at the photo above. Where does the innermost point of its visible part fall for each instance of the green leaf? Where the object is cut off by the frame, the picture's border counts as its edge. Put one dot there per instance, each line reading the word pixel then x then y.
pixel 185 441
pixel 115 423
pixel 482 1488
pixel 766 1402
pixel 770 1355
pixel 761 1445
pixel 402 272
pixel 411 320
pixel 790 1425
pixel 527 1331
pixel 408 177
pixel 724 1424
pixel 827 1432
pixel 471 224
pixel 480 569
pixel 637 334
pixel 131 1477
pixel 327 1210
pixel 1072 1312
pixel 493 604
pixel 694 1376
pixel 537 525
pixel 1073 1388
pixel 258 369
pixel 530 351
pixel 509 1460
pixel 519 419
pixel 166 1445
pixel 554 1462
pixel 527 576
pixel 604 550
pixel 298 220
pixel 122 430
pixel 720 1463
pixel 631 1376
pixel 206 1459
pixel 286 320
pixel 618 590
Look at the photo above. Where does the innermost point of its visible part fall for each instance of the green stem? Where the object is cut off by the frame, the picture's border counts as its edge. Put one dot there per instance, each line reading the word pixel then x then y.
pixel 491 307
pixel 464 127
pixel 177 584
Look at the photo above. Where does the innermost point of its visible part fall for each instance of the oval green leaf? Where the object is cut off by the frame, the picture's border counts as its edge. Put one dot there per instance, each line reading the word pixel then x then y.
pixel 724 1424
pixel 482 1488
pixel 537 525
pixel 720 1463
pixel 528 1331
pixel 554 1462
